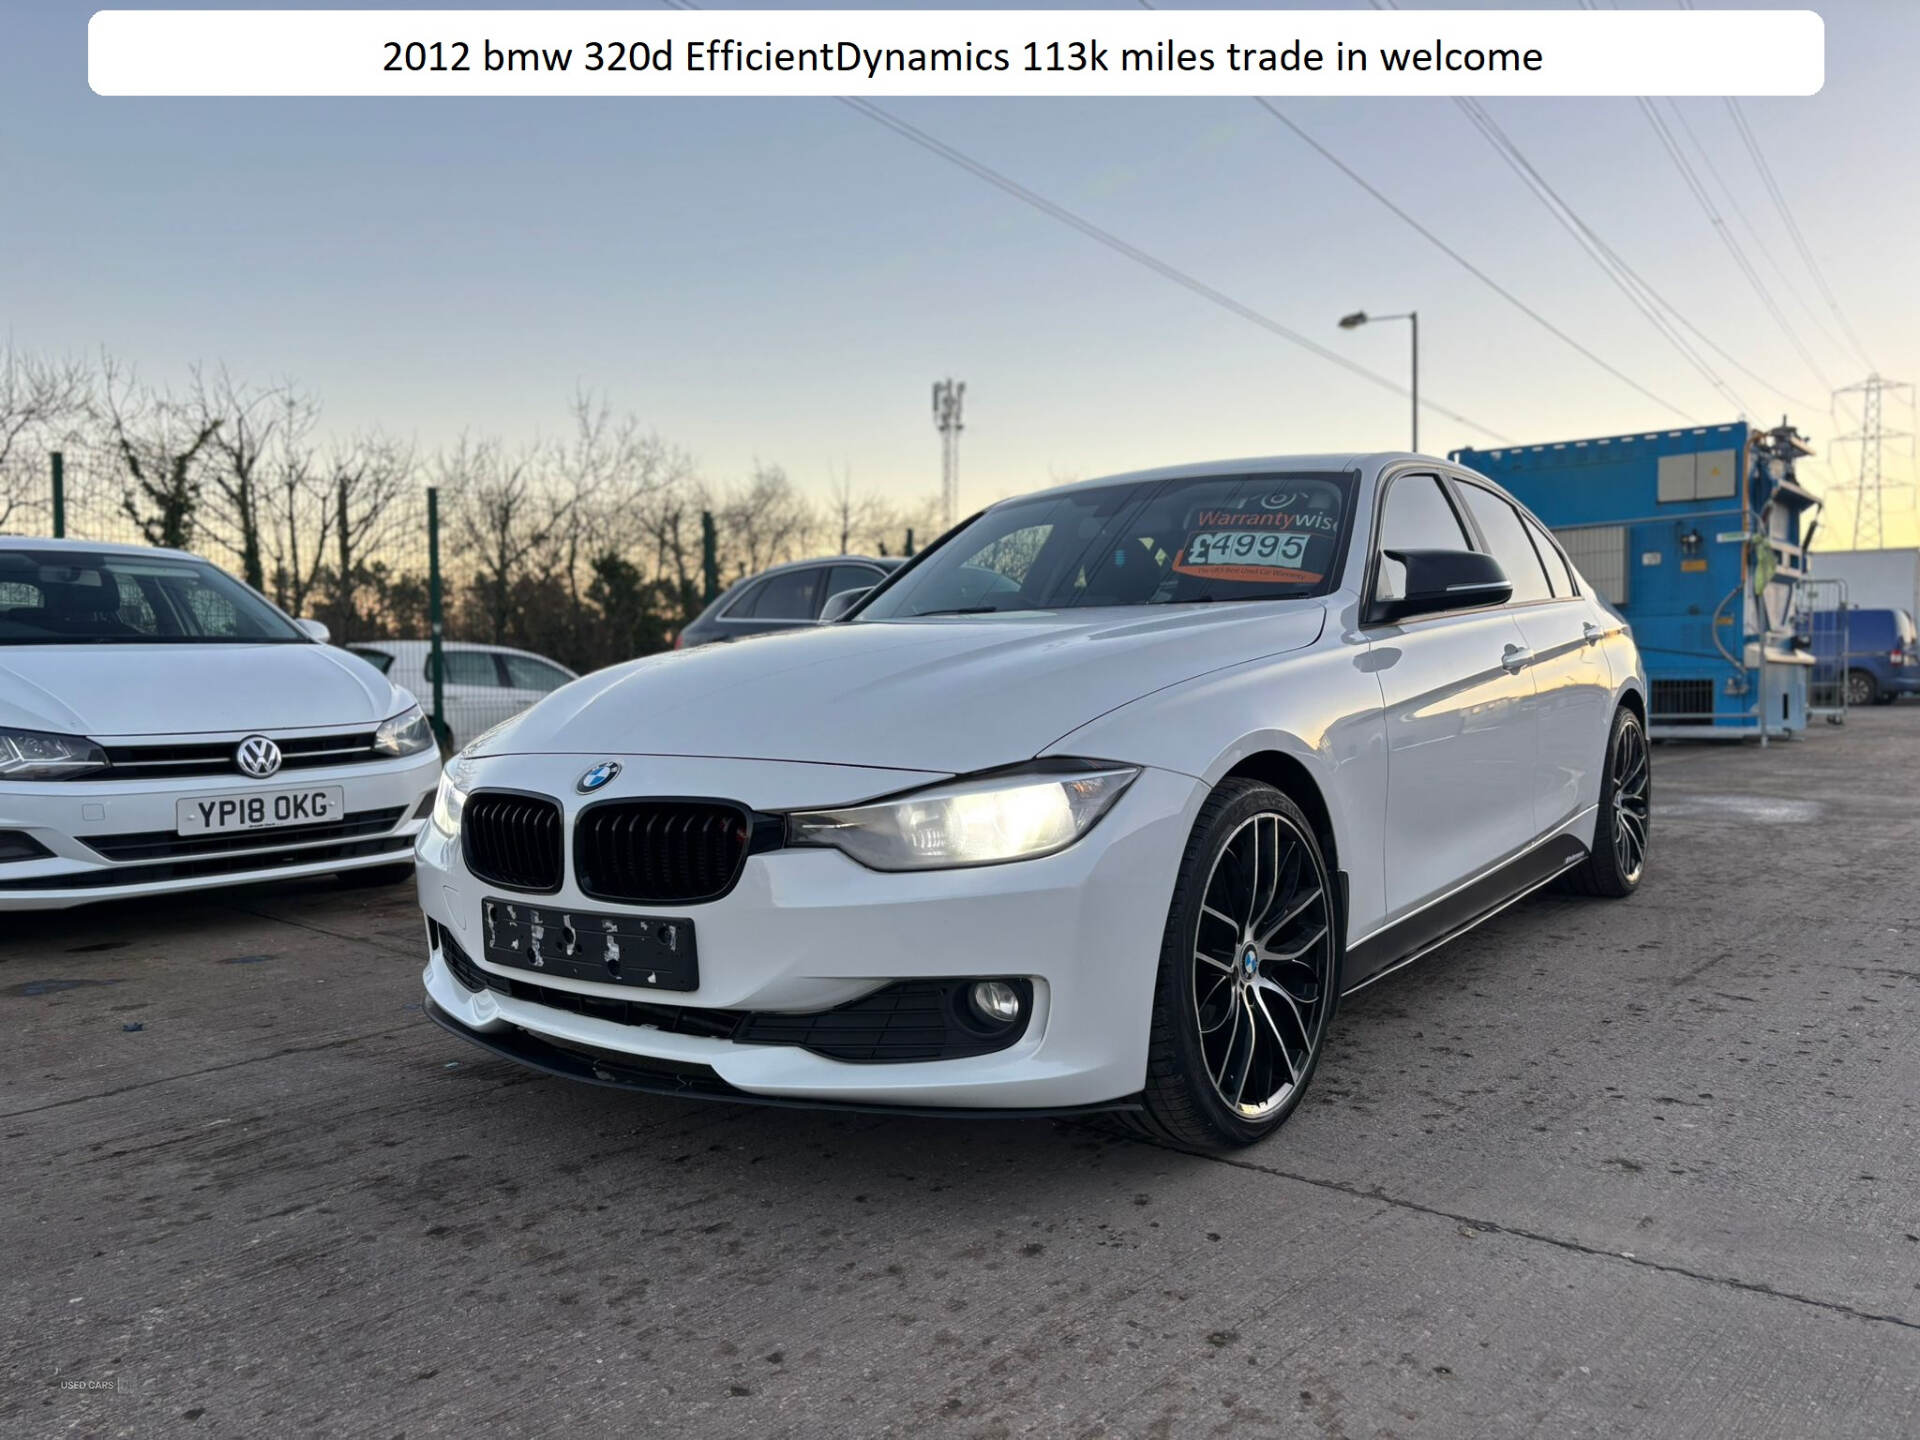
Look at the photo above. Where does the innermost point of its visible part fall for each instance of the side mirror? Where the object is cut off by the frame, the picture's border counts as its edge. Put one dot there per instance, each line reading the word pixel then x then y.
pixel 1443 580
pixel 316 631
pixel 839 603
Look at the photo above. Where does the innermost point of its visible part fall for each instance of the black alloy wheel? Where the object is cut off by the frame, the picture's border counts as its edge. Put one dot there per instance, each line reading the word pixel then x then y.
pixel 1617 859
pixel 1249 973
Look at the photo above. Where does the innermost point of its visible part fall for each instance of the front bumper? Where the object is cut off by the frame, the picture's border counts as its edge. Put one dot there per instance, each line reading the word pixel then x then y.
pixel 135 820
pixel 805 930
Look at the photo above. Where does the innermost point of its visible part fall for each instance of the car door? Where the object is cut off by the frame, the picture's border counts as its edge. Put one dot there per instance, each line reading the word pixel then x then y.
pixel 474 697
pixel 1572 682
pixel 784 600
pixel 848 577
pixel 1458 700
pixel 529 679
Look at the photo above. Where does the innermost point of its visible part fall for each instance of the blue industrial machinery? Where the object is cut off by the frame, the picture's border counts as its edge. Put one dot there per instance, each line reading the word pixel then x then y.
pixel 1696 537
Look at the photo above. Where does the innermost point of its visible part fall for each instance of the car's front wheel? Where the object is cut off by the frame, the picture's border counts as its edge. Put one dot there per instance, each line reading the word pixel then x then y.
pixel 1249 971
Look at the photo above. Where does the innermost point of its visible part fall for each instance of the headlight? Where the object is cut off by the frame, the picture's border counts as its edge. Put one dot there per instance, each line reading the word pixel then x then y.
pixel 405 734
pixel 31 755
pixel 1016 815
pixel 448 802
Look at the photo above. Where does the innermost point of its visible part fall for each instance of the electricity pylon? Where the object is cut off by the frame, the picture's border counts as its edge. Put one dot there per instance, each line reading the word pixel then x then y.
pixel 1869 489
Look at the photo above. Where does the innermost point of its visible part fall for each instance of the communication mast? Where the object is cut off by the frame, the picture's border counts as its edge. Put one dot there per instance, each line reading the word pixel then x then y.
pixel 1869 489
pixel 947 396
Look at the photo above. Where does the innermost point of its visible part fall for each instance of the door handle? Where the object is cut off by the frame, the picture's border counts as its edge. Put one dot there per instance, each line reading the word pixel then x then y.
pixel 1593 633
pixel 1515 658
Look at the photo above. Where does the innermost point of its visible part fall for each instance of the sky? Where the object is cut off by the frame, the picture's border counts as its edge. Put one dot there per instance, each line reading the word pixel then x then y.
pixel 780 281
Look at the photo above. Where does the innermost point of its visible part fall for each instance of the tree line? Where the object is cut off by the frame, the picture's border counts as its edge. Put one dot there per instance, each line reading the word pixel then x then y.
pixel 592 546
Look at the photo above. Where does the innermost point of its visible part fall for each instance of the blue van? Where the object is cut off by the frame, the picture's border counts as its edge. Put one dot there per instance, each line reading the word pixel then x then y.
pixel 1882 662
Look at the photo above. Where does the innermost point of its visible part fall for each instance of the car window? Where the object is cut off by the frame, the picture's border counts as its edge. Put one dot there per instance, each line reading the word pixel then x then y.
pixel 526 673
pixel 786 596
pixel 468 667
pixel 848 577
pixel 69 597
pixel 1417 516
pixel 379 659
pixel 1550 556
pixel 1198 539
pixel 1507 542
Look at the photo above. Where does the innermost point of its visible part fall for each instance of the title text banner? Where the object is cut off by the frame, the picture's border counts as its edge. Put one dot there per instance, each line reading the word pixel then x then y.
pixel 955 52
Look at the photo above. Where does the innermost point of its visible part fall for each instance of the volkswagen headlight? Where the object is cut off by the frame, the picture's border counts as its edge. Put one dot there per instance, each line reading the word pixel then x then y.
pixel 32 755
pixel 1015 815
pixel 405 734
pixel 449 801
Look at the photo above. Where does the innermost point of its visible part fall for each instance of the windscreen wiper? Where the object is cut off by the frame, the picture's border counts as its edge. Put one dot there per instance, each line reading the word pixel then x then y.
pixel 959 610
pixel 1230 599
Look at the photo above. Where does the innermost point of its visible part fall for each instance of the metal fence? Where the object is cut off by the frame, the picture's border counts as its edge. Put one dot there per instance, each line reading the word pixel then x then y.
pixel 1820 629
pixel 478 611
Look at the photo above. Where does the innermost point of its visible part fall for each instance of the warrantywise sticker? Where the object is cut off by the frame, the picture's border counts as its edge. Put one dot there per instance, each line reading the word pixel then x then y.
pixel 1265 542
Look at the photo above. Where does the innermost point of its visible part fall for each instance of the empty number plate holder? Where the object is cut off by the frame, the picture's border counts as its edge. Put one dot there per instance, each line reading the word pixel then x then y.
pixel 648 952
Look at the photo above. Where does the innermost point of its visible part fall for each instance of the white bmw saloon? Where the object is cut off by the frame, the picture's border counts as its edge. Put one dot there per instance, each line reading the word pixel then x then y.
pixel 164 728
pixel 1101 803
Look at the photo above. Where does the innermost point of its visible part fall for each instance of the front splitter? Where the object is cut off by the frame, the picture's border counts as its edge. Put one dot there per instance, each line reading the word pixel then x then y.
pixel 699 1082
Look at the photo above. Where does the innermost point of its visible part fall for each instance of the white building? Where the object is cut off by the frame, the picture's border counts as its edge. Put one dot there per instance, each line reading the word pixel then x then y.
pixel 1876 579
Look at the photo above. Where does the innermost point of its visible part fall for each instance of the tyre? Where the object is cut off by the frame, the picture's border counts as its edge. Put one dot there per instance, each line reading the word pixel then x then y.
pixel 1617 858
pixel 1862 688
pixel 1249 974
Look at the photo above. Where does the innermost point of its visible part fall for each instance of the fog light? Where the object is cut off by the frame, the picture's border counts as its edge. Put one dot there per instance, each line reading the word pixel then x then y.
pixel 995 1001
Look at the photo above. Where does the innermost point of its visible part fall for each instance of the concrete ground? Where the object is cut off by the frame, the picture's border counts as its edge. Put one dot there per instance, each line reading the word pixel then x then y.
pixel 1640 1168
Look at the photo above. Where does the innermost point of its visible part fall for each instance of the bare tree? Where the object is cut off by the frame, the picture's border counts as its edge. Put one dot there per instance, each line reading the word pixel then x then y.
pixel 363 519
pixel 852 516
pixel 158 441
pixel 39 399
pixel 764 521
pixel 245 423
pixel 501 520
pixel 898 529
pixel 296 499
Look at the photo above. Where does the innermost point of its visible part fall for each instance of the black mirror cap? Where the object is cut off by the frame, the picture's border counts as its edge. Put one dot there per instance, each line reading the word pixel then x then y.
pixel 1445 580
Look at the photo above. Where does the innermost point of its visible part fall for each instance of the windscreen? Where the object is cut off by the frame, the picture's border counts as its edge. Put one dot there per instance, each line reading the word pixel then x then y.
pixel 60 597
pixel 1174 542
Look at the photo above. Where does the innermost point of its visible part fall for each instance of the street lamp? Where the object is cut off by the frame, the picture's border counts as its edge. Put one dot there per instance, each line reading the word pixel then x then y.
pixel 1360 317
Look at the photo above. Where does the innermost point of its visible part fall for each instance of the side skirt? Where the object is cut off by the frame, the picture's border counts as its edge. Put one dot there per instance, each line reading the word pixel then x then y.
pixel 1452 916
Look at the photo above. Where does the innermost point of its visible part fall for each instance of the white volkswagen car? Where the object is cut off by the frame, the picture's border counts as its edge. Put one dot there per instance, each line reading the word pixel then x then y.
pixel 164 728
pixel 1101 803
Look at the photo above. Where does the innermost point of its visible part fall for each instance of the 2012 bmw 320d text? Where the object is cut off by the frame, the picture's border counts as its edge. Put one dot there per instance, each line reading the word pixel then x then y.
pixel 1101 803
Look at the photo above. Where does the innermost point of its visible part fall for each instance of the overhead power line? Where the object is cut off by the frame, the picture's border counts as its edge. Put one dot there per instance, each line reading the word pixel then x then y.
pixel 1639 293
pixel 1451 253
pixel 1061 213
pixel 1133 252
pixel 1732 197
pixel 1779 198
pixel 1472 269
pixel 1697 188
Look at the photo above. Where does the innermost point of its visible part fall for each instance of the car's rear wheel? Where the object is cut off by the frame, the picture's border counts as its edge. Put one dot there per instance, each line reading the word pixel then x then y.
pixel 1862 688
pixel 1249 972
pixel 1617 858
